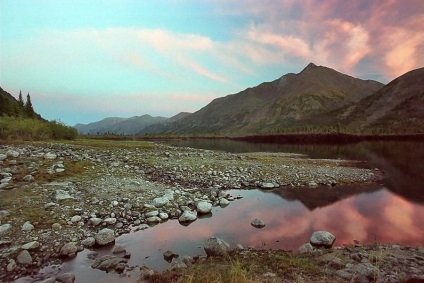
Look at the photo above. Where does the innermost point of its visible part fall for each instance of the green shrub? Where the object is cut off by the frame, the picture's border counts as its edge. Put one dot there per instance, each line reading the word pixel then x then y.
pixel 34 129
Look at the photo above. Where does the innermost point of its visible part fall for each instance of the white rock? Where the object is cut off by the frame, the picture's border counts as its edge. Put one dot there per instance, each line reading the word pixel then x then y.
pixel 110 220
pixel 4 228
pixel 151 213
pixel 50 156
pixel 159 202
pixel 163 215
pixel 12 153
pixel 306 248
pixel 31 245
pixel 75 219
pixel 224 202
pixel 95 221
pixel 154 219
pixel 104 237
pixel 267 186
pixel 187 216
pixel 27 226
pixel 3 157
pixel 322 239
pixel 6 180
pixel 28 178
pixel 257 223
pixel 204 207
pixel 11 265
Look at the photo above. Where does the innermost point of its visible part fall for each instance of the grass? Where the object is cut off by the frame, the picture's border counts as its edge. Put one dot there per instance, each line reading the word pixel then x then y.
pixel 249 267
pixel 145 145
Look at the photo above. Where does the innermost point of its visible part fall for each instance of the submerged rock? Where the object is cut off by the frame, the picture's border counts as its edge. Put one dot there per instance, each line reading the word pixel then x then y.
pixel 257 223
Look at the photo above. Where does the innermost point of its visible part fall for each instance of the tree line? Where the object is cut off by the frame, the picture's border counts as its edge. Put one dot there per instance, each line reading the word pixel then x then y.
pixel 19 121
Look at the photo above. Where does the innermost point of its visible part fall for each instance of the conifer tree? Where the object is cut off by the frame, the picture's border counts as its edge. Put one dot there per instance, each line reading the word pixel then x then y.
pixel 29 110
pixel 21 100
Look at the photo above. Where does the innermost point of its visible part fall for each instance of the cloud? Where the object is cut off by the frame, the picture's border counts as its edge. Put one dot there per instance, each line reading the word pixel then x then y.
pixel 357 37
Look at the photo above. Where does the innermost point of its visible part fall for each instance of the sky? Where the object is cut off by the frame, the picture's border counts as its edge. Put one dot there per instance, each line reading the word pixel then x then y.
pixel 85 60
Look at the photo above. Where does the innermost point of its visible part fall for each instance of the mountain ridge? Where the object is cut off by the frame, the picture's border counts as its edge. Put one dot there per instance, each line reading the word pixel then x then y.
pixel 269 106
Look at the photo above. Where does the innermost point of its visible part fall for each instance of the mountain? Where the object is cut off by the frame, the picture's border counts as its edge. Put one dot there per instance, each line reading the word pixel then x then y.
pixel 398 106
pixel 157 127
pixel 286 102
pixel 116 125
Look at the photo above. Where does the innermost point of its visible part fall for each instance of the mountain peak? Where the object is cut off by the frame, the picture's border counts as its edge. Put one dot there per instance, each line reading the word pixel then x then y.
pixel 310 67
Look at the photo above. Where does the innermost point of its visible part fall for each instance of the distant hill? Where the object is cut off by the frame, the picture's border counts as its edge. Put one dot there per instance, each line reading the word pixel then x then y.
pixel 116 125
pixel 288 101
pixel 157 127
pixel 19 121
pixel 399 106
pixel 10 107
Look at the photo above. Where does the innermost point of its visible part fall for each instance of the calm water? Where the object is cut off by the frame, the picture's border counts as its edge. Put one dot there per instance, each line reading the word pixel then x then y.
pixel 390 212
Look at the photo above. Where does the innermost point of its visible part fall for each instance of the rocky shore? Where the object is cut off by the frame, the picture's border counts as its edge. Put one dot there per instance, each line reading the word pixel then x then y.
pixel 316 261
pixel 57 199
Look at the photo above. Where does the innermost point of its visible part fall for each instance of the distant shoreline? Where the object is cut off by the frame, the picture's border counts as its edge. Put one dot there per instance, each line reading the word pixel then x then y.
pixel 326 138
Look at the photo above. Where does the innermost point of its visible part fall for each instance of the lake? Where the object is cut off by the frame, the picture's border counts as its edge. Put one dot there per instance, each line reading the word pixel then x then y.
pixel 389 212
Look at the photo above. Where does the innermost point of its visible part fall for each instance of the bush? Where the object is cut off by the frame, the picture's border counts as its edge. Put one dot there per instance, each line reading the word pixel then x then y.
pixel 34 129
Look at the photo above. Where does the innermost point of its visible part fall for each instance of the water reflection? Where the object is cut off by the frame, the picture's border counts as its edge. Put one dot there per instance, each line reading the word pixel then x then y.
pixel 402 161
pixel 368 217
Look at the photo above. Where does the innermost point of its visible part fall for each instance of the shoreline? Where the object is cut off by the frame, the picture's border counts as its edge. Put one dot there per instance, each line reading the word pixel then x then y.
pixel 75 180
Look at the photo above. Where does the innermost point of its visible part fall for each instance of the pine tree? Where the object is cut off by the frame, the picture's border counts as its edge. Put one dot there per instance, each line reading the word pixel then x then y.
pixel 29 110
pixel 21 100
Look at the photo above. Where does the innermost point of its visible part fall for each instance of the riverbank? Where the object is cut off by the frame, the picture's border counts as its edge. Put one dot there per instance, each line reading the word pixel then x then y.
pixel 57 197
pixel 354 263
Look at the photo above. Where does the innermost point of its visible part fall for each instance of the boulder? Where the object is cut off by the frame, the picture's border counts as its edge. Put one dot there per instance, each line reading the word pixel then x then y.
pixel 267 186
pixel 151 213
pixel 110 220
pixel 4 214
pixel 110 263
pixel 306 248
pixel 257 223
pixel 4 228
pixel 204 207
pixel 31 245
pixel 11 265
pixel 159 202
pixel 75 218
pixel 88 242
pixel 62 195
pixel 178 263
pixel 95 221
pixel 27 226
pixel 216 247
pixel 68 277
pixel 3 157
pixel 12 153
pixel 24 257
pixel 187 216
pixel 154 219
pixel 50 156
pixel 169 255
pixel 69 249
pixel 28 178
pixel 322 239
pixel 105 237
pixel 224 202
